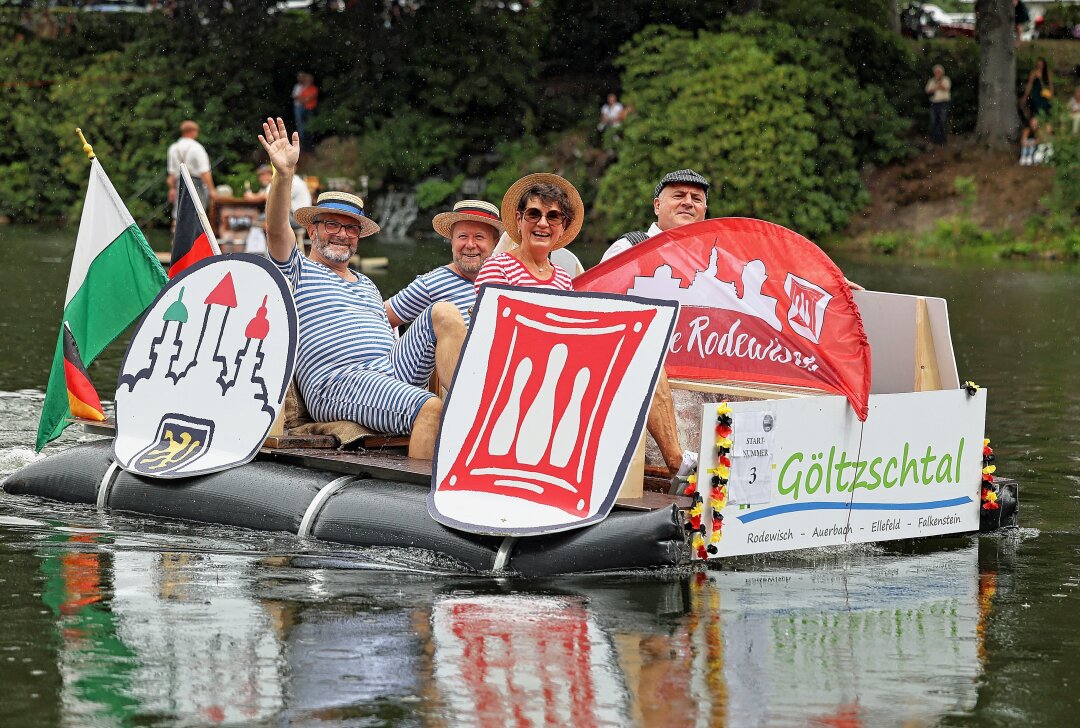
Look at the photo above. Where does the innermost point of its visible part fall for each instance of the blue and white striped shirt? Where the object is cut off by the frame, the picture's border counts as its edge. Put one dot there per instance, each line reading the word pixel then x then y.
pixel 441 284
pixel 342 323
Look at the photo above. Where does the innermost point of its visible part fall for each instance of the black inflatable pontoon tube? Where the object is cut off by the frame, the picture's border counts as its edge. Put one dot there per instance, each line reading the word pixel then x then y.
pixel 352 510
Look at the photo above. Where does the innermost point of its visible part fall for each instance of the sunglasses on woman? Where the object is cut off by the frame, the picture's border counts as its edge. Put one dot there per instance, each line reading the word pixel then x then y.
pixel 554 217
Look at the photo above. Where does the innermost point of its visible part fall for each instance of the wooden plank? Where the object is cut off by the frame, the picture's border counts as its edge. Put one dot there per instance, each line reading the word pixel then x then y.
pixel 927 374
pixel 652 501
pixel 634 481
pixel 384 464
pixel 744 390
pixel 292 442
pixel 106 427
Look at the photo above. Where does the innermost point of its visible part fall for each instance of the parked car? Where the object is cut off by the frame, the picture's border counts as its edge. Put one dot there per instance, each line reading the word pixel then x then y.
pixel 925 20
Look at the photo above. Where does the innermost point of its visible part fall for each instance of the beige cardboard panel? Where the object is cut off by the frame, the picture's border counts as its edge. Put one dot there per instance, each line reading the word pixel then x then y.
pixel 890 323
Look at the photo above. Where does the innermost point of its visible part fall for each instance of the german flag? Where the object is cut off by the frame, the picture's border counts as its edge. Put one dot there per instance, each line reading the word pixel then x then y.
pixel 82 397
pixel 193 239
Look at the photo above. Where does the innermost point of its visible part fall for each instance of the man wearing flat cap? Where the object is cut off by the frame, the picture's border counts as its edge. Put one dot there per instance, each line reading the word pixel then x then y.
pixel 679 199
pixel 473 228
pixel 350 365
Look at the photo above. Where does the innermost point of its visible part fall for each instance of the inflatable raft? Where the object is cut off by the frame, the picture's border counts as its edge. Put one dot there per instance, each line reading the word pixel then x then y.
pixel 352 509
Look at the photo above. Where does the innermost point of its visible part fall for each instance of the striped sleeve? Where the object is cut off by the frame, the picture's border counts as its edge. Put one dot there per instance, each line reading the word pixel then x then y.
pixel 410 301
pixel 290 268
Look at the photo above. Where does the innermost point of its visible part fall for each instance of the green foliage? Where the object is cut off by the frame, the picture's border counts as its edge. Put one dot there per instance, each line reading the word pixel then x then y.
pixel 238 174
pixel 951 235
pixel 1018 249
pixel 853 39
pixel 434 192
pixel 967 192
pixel 521 157
pixel 406 146
pixel 461 74
pixel 1060 21
pixel 768 116
pixel 30 188
pixel 554 154
pixel 1065 196
pixel 890 242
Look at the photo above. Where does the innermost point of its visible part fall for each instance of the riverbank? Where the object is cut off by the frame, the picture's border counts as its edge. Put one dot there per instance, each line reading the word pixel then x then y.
pixel 962 200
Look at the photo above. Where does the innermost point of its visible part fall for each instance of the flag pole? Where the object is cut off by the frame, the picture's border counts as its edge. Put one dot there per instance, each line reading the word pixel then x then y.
pixel 85 144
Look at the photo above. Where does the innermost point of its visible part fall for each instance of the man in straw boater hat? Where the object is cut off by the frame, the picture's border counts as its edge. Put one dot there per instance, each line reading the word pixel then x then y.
pixel 544 213
pixel 350 365
pixel 679 199
pixel 472 229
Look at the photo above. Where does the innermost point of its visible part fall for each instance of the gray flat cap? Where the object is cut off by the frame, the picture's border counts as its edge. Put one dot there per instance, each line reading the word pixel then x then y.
pixel 684 176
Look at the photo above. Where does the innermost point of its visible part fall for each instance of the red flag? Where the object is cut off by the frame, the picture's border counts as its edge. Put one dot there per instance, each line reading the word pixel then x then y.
pixel 760 303
pixel 193 238
pixel 83 400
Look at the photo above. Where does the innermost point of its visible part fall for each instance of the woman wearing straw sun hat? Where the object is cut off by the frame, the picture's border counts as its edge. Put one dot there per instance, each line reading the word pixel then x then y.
pixel 542 213
pixel 472 229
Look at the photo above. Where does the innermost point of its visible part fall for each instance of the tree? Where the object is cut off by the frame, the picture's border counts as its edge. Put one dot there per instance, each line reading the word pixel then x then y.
pixel 773 119
pixel 894 15
pixel 998 120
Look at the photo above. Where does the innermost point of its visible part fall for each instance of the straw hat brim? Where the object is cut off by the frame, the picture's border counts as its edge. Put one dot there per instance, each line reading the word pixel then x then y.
pixel 513 197
pixel 444 222
pixel 306 216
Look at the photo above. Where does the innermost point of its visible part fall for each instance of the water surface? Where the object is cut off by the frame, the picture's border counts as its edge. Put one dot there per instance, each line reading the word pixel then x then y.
pixel 117 619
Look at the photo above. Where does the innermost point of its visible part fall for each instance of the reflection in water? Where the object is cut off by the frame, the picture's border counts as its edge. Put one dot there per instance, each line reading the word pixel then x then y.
pixel 525 660
pixel 888 641
pixel 863 637
pixel 204 648
pixel 94 663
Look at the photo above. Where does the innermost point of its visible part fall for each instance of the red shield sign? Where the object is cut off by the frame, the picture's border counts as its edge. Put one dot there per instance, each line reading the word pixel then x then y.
pixel 546 408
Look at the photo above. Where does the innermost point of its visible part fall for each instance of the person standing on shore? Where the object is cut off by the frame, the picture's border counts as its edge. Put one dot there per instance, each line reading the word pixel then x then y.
pixel 1039 91
pixel 939 88
pixel 187 150
pixel 305 95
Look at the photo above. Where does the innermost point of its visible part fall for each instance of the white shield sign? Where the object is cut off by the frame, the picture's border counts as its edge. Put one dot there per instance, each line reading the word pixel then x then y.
pixel 207 370
pixel 547 405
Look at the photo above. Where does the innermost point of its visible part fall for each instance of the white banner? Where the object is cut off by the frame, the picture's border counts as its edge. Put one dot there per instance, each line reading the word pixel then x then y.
pixel 913 469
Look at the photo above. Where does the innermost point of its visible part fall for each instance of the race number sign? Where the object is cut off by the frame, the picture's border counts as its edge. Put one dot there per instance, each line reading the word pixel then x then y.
pixel 207 369
pixel 547 405
pixel 759 303
pixel 806 473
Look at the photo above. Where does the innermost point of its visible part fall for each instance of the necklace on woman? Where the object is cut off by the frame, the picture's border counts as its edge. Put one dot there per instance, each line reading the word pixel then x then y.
pixel 537 269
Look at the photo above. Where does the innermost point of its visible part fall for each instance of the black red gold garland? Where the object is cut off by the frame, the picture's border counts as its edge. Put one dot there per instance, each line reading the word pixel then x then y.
pixel 717 491
pixel 989 488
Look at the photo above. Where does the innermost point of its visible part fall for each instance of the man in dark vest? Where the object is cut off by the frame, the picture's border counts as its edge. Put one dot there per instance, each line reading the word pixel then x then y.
pixel 679 199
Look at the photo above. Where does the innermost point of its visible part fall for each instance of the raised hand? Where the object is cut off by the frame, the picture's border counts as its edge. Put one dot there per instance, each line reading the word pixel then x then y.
pixel 283 151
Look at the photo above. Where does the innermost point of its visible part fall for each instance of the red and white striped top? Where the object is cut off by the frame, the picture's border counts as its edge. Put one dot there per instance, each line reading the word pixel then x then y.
pixel 508 270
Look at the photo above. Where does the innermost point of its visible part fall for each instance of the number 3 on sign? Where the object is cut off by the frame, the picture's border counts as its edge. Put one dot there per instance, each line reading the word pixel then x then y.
pixel 751 458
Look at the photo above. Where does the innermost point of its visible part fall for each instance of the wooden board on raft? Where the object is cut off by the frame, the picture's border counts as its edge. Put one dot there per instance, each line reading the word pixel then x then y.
pixel 380 460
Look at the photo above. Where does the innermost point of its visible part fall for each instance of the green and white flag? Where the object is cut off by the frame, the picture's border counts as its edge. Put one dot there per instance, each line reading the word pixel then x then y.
pixel 114 278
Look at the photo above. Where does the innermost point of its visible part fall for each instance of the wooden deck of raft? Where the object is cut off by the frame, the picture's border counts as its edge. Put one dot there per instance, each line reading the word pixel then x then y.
pixel 384 458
